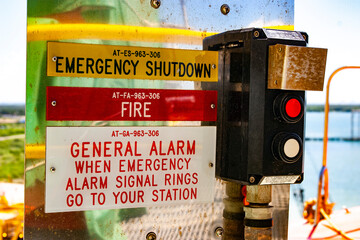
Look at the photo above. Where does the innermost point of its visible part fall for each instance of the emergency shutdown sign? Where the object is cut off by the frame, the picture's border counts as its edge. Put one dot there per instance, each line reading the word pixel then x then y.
pixel 91 168
pixel 108 61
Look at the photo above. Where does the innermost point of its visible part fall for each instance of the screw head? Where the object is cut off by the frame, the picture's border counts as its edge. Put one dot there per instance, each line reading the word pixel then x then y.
pixel 151 236
pixel 155 3
pixel 211 164
pixel 256 34
pixel 212 106
pixel 54 59
pixel 53 103
pixel 219 231
pixel 52 169
pixel 252 179
pixel 213 66
pixel 225 9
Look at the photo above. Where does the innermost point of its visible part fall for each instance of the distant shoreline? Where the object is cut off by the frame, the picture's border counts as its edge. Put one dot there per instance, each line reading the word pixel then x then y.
pixel 20 108
pixel 334 139
pixel 333 108
pixel 12 109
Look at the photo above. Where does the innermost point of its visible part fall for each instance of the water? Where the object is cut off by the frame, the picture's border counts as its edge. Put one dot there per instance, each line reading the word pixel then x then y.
pixel 343 160
pixel 339 125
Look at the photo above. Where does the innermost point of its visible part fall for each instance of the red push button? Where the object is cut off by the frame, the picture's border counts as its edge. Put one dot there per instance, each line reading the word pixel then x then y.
pixel 293 108
pixel 288 108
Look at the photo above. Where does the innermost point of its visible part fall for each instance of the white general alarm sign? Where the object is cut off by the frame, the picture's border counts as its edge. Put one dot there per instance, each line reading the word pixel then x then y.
pixel 90 168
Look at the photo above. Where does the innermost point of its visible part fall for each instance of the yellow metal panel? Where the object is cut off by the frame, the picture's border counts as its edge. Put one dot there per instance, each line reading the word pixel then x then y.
pixel 107 61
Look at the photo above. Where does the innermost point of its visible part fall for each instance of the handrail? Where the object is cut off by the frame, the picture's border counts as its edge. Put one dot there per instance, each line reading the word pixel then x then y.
pixel 324 172
pixel 53 32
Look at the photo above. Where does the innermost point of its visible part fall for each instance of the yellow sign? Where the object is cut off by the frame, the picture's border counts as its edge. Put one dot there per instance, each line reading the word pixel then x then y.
pixel 107 61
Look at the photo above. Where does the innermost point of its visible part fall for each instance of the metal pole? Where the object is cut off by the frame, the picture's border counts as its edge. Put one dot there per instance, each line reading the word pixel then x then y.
pixel 233 215
pixel 352 125
pixel 258 215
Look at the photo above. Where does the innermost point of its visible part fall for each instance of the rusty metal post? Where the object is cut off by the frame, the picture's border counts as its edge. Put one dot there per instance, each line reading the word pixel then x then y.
pixel 258 215
pixel 233 215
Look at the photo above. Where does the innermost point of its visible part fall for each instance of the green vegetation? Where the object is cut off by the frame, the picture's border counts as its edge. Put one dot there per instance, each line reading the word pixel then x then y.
pixel 11 151
pixel 16 109
pixel 10 129
pixel 11 159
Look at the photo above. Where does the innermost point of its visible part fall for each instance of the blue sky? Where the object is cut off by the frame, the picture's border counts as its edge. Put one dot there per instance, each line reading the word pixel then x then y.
pixel 334 25
pixel 330 24
pixel 13 51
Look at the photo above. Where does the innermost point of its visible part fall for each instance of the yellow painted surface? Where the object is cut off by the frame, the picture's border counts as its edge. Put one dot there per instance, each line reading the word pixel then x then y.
pixel 125 62
pixel 34 151
pixel 282 27
pixel 54 32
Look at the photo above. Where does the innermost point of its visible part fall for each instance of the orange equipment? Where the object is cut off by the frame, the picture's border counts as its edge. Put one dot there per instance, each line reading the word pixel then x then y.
pixel 324 207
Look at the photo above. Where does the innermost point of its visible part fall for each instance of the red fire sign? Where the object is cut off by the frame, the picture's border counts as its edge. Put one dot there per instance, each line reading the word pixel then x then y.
pixel 125 104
